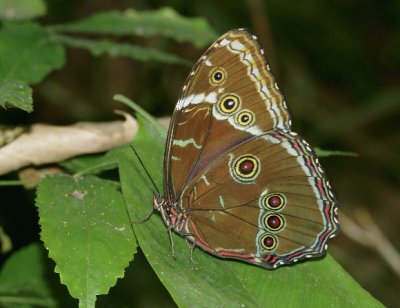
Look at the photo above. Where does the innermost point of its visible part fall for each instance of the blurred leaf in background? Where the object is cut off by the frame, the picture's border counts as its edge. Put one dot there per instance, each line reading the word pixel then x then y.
pixel 20 10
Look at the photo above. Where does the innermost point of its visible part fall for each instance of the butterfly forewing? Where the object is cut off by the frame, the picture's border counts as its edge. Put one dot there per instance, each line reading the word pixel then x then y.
pixel 231 76
pixel 249 188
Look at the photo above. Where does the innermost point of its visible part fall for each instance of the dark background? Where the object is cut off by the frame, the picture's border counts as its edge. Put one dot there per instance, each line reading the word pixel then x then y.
pixel 338 64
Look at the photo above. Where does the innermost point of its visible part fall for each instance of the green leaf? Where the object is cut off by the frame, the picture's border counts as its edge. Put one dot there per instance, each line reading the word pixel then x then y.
pixel 146 119
pixel 22 279
pixel 86 229
pixel 21 9
pixel 214 282
pixel 5 242
pixel 16 94
pixel 326 153
pixel 320 283
pixel 93 164
pixel 164 22
pixel 99 47
pixel 27 53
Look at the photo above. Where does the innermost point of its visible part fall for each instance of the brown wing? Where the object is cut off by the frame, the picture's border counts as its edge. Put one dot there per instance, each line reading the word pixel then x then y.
pixel 229 96
pixel 266 201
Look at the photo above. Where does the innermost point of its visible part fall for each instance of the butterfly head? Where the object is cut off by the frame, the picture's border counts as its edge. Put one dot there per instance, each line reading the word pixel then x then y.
pixel 170 213
pixel 161 205
pixel 158 202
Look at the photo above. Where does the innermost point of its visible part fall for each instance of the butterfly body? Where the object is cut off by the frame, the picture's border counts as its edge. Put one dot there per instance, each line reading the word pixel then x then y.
pixel 239 183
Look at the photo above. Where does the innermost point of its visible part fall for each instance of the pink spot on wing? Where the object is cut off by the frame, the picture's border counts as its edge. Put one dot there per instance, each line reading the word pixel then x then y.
pixel 321 188
pixel 295 254
pixel 297 147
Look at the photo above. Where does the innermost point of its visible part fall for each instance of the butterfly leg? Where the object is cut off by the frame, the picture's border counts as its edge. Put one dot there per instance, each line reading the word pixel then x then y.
pixel 172 243
pixel 191 246
pixel 146 218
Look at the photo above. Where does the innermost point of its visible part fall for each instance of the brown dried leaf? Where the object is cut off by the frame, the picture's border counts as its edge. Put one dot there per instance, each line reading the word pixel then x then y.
pixel 30 177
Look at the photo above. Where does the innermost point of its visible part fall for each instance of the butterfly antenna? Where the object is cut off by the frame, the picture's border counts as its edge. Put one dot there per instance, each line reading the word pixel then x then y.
pixel 157 191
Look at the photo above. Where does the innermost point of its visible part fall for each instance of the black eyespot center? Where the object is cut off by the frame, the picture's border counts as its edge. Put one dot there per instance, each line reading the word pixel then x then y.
pixel 218 75
pixel 245 118
pixel 229 103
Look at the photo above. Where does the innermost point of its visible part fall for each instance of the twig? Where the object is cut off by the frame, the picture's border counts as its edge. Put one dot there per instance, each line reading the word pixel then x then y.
pixel 43 144
pixel 367 233
pixel 262 28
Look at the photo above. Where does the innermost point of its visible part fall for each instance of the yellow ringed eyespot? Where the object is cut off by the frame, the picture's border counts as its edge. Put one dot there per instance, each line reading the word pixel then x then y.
pixel 244 118
pixel 269 242
pixel 228 104
pixel 274 201
pixel 247 167
pixel 217 76
pixel 274 222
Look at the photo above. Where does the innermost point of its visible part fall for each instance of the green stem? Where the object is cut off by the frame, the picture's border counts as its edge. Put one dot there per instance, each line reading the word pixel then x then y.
pixel 94 168
pixel 87 303
pixel 11 183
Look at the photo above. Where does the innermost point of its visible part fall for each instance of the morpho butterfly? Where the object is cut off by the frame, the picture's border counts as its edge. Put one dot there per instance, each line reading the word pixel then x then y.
pixel 239 183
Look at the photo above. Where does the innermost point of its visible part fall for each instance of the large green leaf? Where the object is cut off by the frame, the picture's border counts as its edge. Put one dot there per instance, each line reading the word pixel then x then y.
pixel 27 53
pixel 15 94
pixel 22 280
pixel 21 9
pixel 165 22
pixel 213 282
pixel 113 49
pixel 88 234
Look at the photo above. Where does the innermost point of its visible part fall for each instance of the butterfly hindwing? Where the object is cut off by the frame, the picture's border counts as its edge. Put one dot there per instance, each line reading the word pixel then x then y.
pixel 267 199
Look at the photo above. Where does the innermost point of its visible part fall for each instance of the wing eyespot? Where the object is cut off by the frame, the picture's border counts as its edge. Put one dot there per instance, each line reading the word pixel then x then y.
pixel 273 201
pixel 269 242
pixel 217 76
pixel 228 104
pixel 246 168
pixel 274 222
pixel 245 118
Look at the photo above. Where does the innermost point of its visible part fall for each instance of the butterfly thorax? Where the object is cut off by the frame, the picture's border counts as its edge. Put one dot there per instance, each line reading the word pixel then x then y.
pixel 173 217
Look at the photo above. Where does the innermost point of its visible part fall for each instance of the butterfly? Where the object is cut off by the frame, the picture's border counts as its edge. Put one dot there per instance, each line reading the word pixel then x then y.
pixel 238 182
